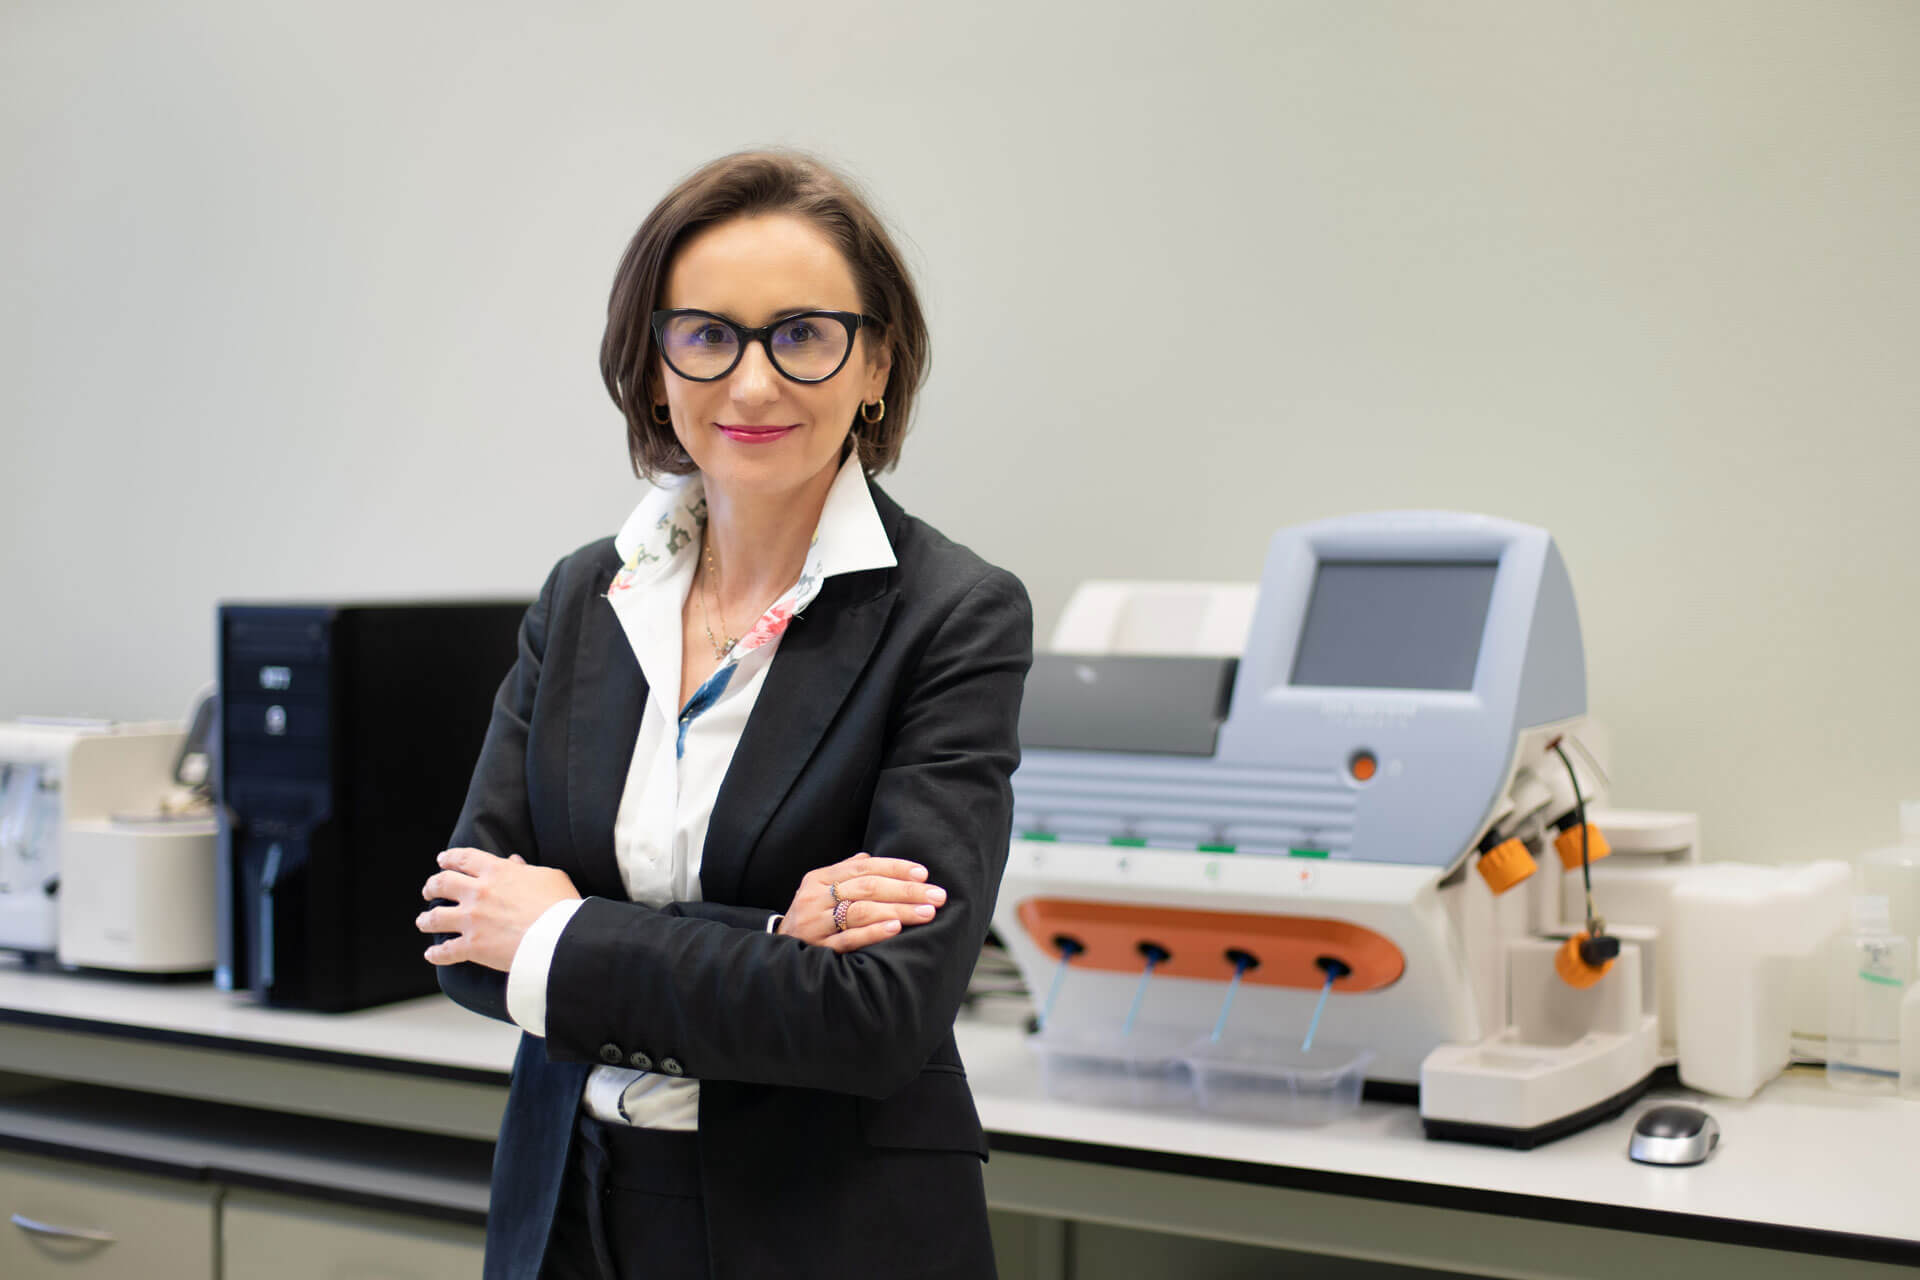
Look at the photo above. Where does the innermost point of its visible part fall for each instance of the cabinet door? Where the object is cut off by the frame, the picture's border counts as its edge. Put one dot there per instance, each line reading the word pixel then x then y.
pixel 67 1221
pixel 289 1238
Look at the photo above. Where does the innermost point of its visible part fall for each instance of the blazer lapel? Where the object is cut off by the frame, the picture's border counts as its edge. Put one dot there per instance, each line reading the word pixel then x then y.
pixel 820 656
pixel 603 724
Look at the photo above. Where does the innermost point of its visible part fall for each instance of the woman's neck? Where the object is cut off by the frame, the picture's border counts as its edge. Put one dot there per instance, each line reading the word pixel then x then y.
pixel 759 541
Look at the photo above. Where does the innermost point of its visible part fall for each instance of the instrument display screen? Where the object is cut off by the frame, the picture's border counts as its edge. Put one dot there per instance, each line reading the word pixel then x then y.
pixel 1394 624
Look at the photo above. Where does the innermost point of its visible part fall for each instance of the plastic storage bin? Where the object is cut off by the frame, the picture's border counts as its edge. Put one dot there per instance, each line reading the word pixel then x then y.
pixel 1266 1078
pixel 1100 1065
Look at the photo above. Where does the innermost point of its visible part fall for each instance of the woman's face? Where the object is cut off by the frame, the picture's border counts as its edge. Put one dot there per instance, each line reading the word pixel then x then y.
pixel 755 432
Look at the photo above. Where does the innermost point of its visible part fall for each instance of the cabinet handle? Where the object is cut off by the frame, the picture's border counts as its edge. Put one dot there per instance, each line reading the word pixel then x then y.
pixel 62 1233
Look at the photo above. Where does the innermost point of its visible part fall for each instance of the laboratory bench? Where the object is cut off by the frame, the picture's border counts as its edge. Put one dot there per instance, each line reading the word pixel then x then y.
pixel 218 1138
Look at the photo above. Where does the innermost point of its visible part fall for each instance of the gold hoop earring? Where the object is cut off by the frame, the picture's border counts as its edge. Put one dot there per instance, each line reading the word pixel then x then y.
pixel 870 419
pixel 662 416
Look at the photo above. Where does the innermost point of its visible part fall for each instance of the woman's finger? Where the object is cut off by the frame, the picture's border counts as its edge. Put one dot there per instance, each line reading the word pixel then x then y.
pixel 471 861
pixel 886 889
pixel 854 939
pixel 447 884
pixel 454 950
pixel 439 920
pixel 863 914
pixel 862 864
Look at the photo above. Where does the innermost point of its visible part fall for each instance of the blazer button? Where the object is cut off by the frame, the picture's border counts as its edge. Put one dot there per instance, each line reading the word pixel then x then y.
pixel 611 1055
pixel 640 1062
pixel 672 1066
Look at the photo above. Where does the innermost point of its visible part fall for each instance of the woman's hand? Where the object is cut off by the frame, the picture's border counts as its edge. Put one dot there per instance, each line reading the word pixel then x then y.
pixel 883 895
pixel 495 901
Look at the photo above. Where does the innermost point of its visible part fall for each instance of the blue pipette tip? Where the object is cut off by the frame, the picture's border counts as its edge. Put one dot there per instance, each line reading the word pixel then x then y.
pixel 1068 950
pixel 1240 966
pixel 1319 1008
pixel 1154 956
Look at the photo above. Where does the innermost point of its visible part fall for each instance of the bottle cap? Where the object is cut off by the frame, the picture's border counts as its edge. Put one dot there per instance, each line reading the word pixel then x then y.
pixel 1872 914
pixel 1910 821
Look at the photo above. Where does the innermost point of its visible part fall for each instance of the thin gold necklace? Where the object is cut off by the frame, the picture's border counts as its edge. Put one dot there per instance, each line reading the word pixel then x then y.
pixel 723 643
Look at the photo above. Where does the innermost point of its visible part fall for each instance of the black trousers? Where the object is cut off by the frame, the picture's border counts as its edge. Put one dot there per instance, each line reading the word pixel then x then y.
pixel 630 1208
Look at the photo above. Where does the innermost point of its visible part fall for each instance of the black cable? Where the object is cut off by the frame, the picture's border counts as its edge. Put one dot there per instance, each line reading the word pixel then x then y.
pixel 1580 816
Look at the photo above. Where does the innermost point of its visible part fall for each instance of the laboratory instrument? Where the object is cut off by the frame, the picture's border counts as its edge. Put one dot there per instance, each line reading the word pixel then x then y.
pixel 1348 796
pixel 348 735
pixel 1735 929
pixel 102 863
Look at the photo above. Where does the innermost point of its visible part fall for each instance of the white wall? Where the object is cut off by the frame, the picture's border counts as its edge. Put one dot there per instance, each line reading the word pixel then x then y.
pixel 305 300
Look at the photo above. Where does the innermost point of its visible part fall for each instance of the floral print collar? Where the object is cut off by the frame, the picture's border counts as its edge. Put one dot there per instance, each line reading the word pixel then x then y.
pixel 669 525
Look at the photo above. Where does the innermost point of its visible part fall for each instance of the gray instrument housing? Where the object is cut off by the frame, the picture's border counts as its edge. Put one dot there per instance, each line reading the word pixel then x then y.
pixel 1279 777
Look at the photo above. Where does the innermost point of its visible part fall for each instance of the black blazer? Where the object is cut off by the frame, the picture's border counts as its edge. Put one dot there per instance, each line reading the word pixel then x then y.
pixel 837 1132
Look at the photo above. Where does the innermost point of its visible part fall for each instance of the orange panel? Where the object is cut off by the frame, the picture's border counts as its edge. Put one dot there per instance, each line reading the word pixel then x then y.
pixel 1197 943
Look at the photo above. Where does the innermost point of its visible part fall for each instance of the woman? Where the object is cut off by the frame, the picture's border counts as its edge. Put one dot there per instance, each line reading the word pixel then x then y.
pixel 733 841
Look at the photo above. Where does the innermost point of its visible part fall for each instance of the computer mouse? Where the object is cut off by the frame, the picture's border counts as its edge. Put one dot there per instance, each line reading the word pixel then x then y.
pixel 1673 1133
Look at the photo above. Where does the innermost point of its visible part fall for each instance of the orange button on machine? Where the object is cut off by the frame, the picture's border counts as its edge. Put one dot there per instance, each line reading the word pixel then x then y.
pixel 1571 841
pixel 1506 865
pixel 1363 766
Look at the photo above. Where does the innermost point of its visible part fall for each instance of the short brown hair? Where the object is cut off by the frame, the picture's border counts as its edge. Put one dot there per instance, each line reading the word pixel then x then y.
pixel 738 186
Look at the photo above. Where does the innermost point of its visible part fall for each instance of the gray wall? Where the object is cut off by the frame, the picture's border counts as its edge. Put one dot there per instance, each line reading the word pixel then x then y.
pixel 305 300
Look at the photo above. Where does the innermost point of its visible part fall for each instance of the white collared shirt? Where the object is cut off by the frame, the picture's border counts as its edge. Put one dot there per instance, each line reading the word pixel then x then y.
pixel 682 753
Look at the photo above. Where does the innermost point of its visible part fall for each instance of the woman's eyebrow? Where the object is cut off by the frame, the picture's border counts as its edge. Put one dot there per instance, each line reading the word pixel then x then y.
pixel 773 317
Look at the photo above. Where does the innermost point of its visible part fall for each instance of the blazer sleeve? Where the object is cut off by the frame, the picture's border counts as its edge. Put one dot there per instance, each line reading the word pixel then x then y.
pixel 730 1004
pixel 496 816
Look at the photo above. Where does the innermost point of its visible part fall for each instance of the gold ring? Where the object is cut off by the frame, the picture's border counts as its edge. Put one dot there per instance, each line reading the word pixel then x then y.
pixel 833 888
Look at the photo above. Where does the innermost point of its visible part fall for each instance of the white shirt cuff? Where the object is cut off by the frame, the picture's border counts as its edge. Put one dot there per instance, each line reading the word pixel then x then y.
pixel 527 976
pixel 773 922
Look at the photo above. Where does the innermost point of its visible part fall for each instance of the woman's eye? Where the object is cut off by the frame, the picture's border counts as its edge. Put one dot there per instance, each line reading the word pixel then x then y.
pixel 712 335
pixel 796 332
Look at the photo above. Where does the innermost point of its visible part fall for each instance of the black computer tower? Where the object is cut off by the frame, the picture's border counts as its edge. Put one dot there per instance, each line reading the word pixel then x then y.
pixel 348 734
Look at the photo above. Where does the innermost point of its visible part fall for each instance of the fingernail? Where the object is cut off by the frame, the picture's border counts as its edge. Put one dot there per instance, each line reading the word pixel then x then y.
pixel 936 895
pixel 923 911
pixel 440 858
pixel 420 920
pixel 919 873
pixel 892 926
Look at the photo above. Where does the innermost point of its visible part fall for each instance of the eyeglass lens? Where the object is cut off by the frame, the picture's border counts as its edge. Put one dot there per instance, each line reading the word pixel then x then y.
pixel 805 347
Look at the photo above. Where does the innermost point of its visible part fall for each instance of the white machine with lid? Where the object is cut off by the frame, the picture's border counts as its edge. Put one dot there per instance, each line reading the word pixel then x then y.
pixel 94 870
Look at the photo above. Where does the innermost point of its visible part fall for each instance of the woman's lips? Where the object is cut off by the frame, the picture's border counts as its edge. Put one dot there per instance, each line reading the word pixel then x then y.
pixel 747 434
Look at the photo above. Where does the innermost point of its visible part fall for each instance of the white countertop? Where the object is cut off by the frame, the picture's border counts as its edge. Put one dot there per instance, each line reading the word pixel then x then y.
pixel 1799 1155
pixel 431 1031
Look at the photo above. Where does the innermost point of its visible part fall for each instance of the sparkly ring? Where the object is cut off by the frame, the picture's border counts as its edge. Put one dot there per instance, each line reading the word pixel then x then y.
pixel 834 889
pixel 840 917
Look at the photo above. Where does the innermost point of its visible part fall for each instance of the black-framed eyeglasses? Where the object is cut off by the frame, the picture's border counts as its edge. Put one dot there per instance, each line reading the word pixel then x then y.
pixel 809 347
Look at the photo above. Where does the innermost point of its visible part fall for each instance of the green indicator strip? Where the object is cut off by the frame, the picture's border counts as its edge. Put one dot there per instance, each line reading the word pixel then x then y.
pixel 1127 842
pixel 1216 848
pixel 1306 853
pixel 1039 835
pixel 1882 979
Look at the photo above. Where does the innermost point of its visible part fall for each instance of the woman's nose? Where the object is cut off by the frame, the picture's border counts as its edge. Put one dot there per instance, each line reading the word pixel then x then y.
pixel 754 380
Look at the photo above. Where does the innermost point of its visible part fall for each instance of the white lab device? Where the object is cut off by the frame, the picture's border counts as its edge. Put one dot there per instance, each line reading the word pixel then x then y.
pixel 1301 824
pixel 91 872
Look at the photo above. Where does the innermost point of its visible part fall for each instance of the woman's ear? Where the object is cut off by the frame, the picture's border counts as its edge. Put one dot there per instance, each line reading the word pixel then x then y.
pixel 879 369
